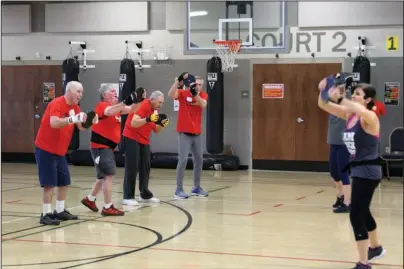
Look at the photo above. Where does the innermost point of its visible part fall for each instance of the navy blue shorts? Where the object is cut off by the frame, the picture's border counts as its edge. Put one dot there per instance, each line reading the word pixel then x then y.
pixel 339 158
pixel 53 170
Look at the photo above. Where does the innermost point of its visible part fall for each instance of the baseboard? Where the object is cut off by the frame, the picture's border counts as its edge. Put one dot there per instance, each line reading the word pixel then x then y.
pixel 17 157
pixel 307 166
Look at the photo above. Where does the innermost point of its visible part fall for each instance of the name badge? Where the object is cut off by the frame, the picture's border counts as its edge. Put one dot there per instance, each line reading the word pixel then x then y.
pixel 189 99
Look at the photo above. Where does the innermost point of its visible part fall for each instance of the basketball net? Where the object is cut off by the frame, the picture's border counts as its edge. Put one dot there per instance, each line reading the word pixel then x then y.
pixel 227 50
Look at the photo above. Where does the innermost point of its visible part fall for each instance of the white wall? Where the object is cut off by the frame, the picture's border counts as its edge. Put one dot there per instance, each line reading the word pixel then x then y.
pixel 329 14
pixel 96 17
pixel 15 19
pixel 110 45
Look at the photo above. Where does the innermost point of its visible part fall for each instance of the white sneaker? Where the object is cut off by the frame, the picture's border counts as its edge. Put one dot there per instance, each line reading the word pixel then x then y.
pixel 151 200
pixel 131 202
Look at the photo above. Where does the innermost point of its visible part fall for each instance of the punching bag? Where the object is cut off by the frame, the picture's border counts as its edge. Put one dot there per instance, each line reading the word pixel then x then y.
pixel 127 85
pixel 361 65
pixel 215 107
pixel 70 72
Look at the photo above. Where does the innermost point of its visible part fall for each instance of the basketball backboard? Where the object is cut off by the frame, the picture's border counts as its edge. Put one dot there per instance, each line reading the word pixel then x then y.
pixel 260 26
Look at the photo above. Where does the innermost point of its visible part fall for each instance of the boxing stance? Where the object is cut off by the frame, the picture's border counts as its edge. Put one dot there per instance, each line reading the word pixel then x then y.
pixel 362 140
pixel 192 100
pixel 51 145
pixel 137 132
pixel 338 159
pixel 105 137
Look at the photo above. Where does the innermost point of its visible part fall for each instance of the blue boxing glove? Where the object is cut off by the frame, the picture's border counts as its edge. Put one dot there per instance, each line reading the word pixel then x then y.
pixel 190 79
pixel 329 85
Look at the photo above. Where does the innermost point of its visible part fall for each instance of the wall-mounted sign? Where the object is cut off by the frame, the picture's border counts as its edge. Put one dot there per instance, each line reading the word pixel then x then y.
pixel 392 43
pixel 272 91
pixel 176 105
pixel 391 93
pixel 48 91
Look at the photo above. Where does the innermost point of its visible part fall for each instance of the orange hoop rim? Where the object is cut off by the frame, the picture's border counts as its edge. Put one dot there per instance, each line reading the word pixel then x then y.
pixel 228 43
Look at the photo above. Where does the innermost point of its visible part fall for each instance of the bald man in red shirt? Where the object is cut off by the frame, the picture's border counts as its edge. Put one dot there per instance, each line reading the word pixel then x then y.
pixel 192 100
pixel 51 145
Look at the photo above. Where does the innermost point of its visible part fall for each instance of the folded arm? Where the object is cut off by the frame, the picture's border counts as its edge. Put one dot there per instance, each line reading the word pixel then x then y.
pixel 173 92
pixel 200 101
pixel 137 121
pixel 339 111
pixel 369 116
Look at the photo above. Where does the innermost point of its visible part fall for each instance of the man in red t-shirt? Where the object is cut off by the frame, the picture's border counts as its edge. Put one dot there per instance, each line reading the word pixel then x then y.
pixel 191 101
pixel 105 137
pixel 138 128
pixel 51 145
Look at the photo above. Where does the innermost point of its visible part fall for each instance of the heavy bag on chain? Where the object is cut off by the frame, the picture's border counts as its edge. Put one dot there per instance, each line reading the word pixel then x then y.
pixel 70 72
pixel 361 65
pixel 215 107
pixel 127 85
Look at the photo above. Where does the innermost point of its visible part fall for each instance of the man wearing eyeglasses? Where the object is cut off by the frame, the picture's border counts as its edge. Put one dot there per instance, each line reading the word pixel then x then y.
pixel 192 100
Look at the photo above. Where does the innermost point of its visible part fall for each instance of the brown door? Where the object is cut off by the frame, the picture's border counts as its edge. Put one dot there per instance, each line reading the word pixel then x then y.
pixel 22 104
pixel 50 75
pixel 311 132
pixel 273 125
pixel 291 128
pixel 17 109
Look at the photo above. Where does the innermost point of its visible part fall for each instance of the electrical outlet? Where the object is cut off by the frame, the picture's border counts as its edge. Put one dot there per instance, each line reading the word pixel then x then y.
pixel 387 149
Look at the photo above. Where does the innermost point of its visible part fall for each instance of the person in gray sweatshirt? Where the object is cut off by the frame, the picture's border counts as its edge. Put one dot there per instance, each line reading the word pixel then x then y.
pixel 339 157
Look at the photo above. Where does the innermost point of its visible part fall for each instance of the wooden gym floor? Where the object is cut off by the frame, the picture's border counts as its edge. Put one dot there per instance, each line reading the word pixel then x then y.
pixel 273 220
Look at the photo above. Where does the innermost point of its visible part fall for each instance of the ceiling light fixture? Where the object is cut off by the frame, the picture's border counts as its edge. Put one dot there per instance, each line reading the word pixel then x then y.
pixel 198 13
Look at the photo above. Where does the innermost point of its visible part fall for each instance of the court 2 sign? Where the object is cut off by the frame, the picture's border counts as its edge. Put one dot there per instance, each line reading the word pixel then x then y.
pixel 303 41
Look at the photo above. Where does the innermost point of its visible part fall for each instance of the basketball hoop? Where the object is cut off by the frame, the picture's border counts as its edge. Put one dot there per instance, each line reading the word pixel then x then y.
pixel 227 50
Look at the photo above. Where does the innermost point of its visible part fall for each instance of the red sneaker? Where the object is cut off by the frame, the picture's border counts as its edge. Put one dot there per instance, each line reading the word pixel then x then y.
pixel 91 205
pixel 112 211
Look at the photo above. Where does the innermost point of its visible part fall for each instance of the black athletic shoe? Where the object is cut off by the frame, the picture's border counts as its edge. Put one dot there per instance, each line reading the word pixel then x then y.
pixel 376 253
pixel 48 219
pixel 342 209
pixel 362 266
pixel 65 215
pixel 338 202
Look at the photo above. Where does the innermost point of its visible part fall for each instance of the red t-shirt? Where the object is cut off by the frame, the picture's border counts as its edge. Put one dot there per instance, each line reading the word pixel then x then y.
pixel 142 133
pixel 108 126
pixel 189 116
pixel 56 140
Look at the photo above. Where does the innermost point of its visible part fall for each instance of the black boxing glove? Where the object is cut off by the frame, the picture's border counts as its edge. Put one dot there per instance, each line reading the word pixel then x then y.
pixel 139 93
pixel 192 89
pixel 181 77
pixel 162 120
pixel 131 99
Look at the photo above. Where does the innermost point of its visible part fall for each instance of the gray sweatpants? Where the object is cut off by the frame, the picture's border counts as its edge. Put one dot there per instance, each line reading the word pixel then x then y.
pixel 188 143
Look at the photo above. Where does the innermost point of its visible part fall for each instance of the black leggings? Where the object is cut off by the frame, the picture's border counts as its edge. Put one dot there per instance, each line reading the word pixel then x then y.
pixel 362 220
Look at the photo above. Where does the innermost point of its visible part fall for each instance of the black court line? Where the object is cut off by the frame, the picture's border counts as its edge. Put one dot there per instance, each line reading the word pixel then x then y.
pixel 102 258
pixel 183 230
pixel 78 222
pixel 158 235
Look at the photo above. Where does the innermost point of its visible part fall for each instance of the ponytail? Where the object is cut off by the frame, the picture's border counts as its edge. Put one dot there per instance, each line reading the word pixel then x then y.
pixel 370 105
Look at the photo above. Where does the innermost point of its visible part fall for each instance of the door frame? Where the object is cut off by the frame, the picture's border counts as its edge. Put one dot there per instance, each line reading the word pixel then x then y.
pixel 282 61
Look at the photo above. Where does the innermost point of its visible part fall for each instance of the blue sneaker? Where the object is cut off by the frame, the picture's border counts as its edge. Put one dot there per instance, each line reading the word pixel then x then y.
pixel 198 191
pixel 180 194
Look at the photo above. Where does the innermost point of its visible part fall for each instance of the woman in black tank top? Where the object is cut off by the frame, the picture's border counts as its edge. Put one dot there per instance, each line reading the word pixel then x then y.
pixel 362 141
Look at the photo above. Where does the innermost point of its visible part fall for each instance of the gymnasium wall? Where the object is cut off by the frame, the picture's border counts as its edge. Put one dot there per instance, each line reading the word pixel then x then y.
pixel 236 111
pixel 161 24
